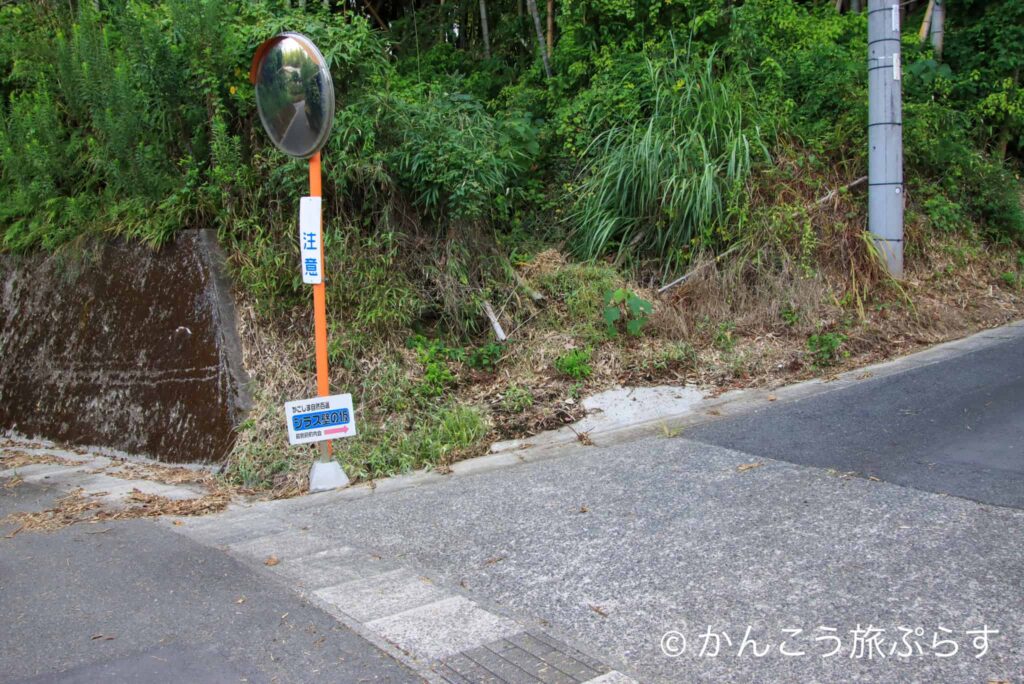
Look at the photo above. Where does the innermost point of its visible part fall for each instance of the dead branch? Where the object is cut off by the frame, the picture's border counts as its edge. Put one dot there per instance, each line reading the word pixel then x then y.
pixel 833 193
pixel 495 324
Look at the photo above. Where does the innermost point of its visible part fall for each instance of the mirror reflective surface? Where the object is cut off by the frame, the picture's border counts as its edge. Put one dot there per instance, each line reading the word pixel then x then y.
pixel 294 94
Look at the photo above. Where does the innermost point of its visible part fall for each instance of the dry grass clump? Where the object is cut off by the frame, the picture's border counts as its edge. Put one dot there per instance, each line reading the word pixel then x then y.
pixel 169 475
pixel 76 508
pixel 19 459
pixel 274 357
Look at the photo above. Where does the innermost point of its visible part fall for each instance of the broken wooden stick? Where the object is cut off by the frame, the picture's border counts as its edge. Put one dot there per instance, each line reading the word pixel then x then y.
pixel 373 12
pixel 833 193
pixel 698 269
pixel 683 279
pixel 499 332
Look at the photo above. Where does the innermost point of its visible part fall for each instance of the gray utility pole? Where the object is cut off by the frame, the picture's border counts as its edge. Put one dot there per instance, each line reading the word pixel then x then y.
pixel 885 132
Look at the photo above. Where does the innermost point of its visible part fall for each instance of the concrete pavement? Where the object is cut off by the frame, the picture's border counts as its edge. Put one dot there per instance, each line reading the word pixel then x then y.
pixel 610 549
pixel 626 552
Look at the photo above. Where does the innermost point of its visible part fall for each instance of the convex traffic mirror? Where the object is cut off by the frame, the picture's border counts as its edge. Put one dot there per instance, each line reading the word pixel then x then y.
pixel 294 94
pixel 295 99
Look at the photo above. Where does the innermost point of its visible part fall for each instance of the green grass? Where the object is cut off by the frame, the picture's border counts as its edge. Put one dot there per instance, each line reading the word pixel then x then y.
pixel 430 439
pixel 723 338
pixel 673 181
pixel 581 287
pixel 256 466
pixel 675 355
pixel 826 348
pixel 575 364
pixel 517 399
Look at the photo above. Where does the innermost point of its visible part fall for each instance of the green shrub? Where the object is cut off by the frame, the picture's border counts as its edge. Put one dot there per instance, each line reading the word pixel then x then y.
pixel 457 160
pixel 625 308
pixel 826 348
pixel 790 315
pixel 946 215
pixel 575 364
pixel 434 355
pixel 485 357
pixel 723 338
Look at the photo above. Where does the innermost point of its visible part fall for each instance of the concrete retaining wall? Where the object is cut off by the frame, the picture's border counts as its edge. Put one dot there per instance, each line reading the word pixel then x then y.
pixel 125 347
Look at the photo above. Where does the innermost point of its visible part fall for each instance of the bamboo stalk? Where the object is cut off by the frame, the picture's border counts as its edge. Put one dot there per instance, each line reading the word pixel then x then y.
pixel 484 29
pixel 551 26
pixel 541 44
pixel 922 35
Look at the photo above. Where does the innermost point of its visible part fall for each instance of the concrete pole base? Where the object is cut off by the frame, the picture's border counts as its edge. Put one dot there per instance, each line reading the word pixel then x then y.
pixel 324 477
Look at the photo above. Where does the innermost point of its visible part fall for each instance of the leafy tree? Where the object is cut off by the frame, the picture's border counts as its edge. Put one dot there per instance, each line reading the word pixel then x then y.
pixel 984 48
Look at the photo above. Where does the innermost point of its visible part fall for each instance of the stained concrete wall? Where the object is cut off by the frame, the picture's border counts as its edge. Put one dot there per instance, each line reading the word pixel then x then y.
pixel 124 347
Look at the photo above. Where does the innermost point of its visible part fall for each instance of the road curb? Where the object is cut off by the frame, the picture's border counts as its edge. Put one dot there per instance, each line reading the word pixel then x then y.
pixel 727 405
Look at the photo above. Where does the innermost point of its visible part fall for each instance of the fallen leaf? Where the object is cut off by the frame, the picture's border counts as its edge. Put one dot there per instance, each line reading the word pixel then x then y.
pixel 583 438
pixel 240 600
pixel 772 397
pixel 714 412
pixel 271 561
pixel 584 509
pixel 748 466
pixel 493 560
pixel 599 610
pixel 179 522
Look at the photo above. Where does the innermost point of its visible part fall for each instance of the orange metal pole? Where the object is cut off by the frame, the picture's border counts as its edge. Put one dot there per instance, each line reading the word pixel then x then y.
pixel 323 388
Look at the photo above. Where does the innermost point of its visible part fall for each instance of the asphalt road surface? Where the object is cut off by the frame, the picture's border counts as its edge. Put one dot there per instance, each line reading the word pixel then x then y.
pixel 956 427
pixel 134 602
